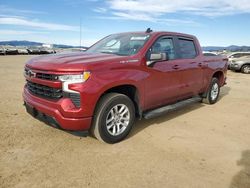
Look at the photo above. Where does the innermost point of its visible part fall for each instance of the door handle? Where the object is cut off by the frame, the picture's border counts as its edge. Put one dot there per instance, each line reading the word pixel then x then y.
pixel 176 67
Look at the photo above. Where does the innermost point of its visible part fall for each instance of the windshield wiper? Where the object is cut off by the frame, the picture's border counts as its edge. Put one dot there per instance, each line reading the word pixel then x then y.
pixel 114 53
pixel 107 52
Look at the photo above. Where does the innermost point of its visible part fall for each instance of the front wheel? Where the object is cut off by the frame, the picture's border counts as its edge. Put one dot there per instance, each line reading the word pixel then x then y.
pixel 114 117
pixel 213 92
pixel 245 69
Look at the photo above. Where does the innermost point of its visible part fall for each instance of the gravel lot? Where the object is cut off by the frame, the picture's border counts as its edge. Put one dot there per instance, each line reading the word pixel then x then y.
pixel 201 146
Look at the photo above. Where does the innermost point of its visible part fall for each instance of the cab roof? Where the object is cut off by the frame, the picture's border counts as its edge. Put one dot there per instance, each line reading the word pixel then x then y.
pixel 156 33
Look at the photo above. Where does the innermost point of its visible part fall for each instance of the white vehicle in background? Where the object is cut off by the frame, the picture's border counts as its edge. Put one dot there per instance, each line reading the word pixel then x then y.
pixel 206 53
pixel 241 64
pixel 234 56
pixel 22 50
pixel 10 50
pixel 2 50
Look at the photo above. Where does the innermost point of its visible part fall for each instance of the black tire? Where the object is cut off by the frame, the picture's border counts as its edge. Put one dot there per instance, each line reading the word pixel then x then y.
pixel 104 107
pixel 211 98
pixel 245 69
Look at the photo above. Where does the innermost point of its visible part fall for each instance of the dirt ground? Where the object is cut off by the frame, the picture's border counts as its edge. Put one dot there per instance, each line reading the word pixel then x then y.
pixel 201 146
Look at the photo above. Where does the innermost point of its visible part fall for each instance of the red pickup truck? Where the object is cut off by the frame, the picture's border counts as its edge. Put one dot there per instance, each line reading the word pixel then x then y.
pixel 120 78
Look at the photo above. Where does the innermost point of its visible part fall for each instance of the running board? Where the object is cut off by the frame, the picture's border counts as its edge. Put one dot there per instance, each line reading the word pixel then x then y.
pixel 171 107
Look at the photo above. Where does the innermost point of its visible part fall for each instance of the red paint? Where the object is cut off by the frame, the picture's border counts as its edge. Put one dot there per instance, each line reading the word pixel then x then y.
pixel 163 83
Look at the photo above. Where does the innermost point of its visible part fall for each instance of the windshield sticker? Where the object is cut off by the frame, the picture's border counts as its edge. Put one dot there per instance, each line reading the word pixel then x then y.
pixel 139 37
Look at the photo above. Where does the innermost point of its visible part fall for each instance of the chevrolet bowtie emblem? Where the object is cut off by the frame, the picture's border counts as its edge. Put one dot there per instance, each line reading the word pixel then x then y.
pixel 31 74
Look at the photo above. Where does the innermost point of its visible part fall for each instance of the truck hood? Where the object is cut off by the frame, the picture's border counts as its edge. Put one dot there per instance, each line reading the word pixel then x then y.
pixel 71 61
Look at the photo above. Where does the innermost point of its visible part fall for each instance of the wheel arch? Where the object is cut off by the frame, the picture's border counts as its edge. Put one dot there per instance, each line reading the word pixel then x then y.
pixel 217 74
pixel 129 90
pixel 220 76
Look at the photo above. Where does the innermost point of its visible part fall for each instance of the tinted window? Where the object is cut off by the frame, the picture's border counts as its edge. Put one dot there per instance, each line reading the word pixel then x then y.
pixel 164 45
pixel 187 49
pixel 237 55
pixel 243 54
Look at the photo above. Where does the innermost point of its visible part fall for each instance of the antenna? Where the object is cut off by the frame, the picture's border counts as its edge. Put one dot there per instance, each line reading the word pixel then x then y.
pixel 149 30
pixel 80 33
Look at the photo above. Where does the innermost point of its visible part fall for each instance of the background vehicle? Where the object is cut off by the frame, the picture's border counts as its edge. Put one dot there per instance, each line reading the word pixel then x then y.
pixel 233 56
pixel 46 50
pixel 122 77
pixel 22 50
pixel 2 50
pixel 10 50
pixel 41 50
pixel 34 50
pixel 241 64
pixel 209 53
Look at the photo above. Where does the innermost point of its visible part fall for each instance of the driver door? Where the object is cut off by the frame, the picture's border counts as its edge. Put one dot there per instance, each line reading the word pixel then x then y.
pixel 163 83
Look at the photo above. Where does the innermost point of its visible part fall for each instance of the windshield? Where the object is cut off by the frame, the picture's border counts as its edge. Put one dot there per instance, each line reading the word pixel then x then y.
pixel 120 44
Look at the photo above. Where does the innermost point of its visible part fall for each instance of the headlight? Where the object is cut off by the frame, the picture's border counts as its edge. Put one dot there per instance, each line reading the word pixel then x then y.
pixel 77 78
pixel 73 79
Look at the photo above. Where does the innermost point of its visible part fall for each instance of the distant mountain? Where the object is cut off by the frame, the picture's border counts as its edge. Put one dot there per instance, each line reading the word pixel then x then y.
pixel 232 48
pixel 20 43
pixel 31 43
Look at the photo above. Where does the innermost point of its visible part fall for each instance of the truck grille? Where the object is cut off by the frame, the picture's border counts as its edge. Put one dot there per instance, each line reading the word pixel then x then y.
pixel 44 76
pixel 47 92
pixel 44 91
pixel 40 75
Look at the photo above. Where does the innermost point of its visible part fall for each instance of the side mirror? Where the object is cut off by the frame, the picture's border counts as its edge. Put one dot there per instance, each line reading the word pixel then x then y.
pixel 158 57
pixel 154 57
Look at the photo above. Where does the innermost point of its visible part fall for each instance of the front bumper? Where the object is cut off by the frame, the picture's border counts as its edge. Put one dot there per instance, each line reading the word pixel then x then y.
pixel 40 107
pixel 234 66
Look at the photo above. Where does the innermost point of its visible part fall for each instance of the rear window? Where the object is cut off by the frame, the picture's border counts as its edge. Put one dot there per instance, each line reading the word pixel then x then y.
pixel 187 48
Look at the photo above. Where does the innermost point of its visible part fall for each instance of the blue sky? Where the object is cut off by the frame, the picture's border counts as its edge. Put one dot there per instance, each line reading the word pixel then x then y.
pixel 214 22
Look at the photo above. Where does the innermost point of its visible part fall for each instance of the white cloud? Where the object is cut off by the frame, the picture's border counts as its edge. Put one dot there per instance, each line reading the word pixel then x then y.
pixel 131 16
pixel 154 10
pixel 20 32
pixel 36 24
pixel 100 10
pixel 144 17
pixel 8 10
pixel 11 16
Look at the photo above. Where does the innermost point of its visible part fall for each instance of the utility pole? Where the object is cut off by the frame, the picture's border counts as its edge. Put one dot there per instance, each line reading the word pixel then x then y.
pixel 80 33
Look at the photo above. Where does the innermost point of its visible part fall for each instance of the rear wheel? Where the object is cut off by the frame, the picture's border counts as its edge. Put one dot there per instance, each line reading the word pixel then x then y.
pixel 245 69
pixel 213 92
pixel 114 118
